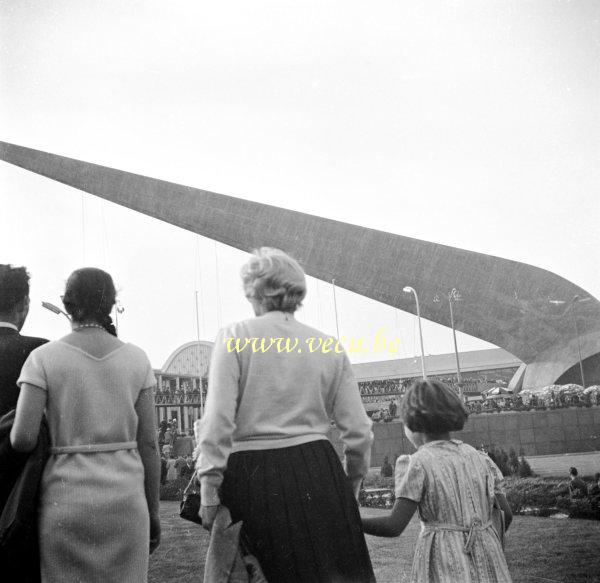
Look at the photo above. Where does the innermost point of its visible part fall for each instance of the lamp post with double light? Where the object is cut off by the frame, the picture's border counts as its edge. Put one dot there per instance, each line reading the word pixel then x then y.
pixel 409 290
pixel 119 309
pixel 575 300
pixel 454 296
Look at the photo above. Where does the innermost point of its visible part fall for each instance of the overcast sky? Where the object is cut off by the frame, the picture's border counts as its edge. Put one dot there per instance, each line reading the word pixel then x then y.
pixel 473 124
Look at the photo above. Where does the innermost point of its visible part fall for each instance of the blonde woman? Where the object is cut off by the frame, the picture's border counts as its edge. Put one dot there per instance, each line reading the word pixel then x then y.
pixel 263 449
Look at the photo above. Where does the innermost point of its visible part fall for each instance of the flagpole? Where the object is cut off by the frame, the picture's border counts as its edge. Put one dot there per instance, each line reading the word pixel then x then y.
pixel 337 327
pixel 198 356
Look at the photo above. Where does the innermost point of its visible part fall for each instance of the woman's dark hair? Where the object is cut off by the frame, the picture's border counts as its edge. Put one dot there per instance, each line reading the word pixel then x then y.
pixel 90 295
pixel 432 407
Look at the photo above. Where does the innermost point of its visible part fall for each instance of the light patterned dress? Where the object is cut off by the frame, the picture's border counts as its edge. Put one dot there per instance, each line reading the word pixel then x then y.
pixel 93 517
pixel 454 485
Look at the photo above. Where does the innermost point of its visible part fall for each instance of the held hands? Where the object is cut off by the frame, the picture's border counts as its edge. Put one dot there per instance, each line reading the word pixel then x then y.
pixel 154 532
pixel 208 515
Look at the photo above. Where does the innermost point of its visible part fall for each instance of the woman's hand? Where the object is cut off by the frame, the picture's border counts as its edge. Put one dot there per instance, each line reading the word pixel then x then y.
pixel 154 532
pixel 208 515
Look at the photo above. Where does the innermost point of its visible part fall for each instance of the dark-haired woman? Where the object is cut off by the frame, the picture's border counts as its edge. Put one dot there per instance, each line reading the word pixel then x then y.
pixel 453 486
pixel 98 516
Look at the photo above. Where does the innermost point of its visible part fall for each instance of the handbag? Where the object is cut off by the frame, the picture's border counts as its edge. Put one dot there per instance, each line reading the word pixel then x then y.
pixel 189 508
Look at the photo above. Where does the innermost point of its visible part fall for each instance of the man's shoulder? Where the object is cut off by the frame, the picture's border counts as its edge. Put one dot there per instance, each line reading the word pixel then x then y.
pixel 33 341
pixel 19 346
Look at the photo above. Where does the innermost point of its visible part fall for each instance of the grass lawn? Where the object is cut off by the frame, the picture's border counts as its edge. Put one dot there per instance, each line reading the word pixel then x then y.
pixel 538 550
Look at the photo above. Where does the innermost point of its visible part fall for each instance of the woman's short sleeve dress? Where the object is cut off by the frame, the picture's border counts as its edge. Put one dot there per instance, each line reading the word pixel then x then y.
pixel 93 520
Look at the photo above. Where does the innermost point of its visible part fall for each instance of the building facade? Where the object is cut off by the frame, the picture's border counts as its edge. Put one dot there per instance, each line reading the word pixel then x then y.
pixel 183 380
pixel 181 385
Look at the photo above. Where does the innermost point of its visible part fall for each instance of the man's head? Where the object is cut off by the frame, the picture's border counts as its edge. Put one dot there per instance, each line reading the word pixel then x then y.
pixel 14 295
pixel 573 472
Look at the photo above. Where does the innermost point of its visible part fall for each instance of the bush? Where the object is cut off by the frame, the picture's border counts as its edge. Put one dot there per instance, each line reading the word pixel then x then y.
pixel 524 469
pixel 500 458
pixel 174 490
pixel 374 480
pixel 534 492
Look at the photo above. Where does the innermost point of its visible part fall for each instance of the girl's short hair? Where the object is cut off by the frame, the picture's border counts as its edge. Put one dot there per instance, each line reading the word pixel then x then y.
pixel 274 279
pixel 430 406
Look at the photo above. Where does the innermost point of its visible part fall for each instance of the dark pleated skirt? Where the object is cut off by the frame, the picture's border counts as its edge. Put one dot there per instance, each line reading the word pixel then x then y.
pixel 300 517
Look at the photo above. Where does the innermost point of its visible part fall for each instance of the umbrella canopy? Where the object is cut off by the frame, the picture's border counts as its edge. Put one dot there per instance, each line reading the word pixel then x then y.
pixel 494 391
pixel 572 388
pixel 592 389
pixel 541 390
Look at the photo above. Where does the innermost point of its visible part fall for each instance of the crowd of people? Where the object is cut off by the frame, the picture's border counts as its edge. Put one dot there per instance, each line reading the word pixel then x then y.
pixel 84 405
pixel 187 392
pixel 530 402
pixel 173 467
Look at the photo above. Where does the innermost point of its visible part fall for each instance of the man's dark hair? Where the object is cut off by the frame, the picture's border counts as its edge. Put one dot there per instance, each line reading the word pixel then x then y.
pixel 14 286
pixel 432 407
pixel 573 471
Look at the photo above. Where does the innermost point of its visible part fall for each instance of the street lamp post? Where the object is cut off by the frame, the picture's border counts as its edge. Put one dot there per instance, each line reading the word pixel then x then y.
pixel 453 296
pixel 409 290
pixel 574 302
pixel 119 309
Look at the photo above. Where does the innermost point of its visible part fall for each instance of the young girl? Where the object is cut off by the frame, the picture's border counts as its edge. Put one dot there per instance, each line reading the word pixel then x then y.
pixel 453 486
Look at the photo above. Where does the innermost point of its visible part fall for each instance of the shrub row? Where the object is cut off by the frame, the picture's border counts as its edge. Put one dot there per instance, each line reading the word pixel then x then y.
pixel 173 490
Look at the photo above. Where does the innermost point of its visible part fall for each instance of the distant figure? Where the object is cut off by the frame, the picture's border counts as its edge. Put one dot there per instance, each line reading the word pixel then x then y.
pixel 179 464
pixel 594 488
pixel 163 470
pixel 188 469
pixel 387 471
pixel 98 513
pixel 577 487
pixel 171 469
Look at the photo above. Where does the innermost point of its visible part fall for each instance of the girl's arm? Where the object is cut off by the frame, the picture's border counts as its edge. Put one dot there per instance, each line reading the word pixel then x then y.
pixel 26 427
pixel 504 506
pixel 394 523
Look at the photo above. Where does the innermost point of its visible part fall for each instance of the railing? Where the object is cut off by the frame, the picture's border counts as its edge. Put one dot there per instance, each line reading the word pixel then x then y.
pixel 192 398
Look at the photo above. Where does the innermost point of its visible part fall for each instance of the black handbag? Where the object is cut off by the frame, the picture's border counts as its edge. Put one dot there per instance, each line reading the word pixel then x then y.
pixel 189 508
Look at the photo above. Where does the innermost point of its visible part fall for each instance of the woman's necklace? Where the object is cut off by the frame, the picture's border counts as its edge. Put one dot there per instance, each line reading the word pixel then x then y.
pixel 81 326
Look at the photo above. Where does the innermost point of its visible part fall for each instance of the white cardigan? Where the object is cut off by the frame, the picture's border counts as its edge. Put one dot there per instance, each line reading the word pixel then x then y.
pixel 264 396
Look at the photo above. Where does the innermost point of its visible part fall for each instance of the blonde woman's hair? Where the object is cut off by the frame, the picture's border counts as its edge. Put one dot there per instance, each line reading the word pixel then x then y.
pixel 274 279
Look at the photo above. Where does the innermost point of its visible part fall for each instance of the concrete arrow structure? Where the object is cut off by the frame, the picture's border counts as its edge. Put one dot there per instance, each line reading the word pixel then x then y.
pixel 503 302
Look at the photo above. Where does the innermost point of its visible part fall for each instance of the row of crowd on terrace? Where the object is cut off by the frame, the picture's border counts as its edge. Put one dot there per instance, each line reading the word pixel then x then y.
pixel 544 398
pixel 183 392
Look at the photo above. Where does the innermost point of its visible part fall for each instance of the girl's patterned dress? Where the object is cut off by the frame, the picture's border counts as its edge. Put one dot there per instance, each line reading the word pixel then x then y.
pixel 454 485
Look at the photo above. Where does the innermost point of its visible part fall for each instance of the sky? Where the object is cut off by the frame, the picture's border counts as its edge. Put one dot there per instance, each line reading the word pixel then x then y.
pixel 472 124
